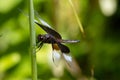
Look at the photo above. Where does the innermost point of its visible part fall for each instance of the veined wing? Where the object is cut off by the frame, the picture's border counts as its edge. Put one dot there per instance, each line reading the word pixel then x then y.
pixel 59 53
pixel 68 58
pixel 65 53
pixel 56 54
pixel 49 30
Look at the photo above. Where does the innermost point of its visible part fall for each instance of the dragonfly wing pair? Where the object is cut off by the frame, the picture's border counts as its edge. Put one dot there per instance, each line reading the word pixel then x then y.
pixel 49 30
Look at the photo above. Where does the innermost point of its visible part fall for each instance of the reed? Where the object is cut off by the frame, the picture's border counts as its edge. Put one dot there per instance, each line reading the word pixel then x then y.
pixel 32 41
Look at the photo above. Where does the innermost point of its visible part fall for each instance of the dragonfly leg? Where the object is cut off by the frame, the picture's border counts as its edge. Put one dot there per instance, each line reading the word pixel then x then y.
pixel 39 45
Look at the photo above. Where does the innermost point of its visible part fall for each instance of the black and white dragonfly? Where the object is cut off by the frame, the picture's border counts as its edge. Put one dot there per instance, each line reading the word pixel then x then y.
pixel 52 37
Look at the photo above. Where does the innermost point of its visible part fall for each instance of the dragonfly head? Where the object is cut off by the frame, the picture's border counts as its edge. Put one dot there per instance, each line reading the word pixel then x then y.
pixel 40 37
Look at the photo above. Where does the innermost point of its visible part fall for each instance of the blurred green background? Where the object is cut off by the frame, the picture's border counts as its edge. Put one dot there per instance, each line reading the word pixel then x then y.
pixel 97 56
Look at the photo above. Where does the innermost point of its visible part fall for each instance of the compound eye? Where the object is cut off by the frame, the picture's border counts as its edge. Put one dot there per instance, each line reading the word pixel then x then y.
pixel 40 38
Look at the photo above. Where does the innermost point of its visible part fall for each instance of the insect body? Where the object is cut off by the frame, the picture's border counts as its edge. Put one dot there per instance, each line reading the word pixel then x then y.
pixel 54 38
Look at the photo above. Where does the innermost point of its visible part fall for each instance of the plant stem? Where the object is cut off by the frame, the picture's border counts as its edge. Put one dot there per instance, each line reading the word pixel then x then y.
pixel 77 18
pixel 32 41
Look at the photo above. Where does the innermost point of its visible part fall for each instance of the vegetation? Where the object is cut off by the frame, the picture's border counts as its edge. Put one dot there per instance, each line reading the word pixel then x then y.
pixel 96 57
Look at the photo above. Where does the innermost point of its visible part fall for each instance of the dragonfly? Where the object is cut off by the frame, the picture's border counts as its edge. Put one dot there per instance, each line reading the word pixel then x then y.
pixel 59 51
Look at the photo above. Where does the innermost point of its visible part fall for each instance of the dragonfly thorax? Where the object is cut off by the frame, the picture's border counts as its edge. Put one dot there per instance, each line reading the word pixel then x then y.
pixel 46 38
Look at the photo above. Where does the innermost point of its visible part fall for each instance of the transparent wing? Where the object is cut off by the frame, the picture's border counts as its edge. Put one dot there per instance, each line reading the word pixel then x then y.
pixel 45 26
pixel 56 54
pixel 65 54
pixel 49 30
pixel 41 20
pixel 61 51
pixel 68 59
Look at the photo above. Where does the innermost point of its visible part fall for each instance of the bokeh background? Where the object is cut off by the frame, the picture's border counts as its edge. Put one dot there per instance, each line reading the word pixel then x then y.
pixel 96 57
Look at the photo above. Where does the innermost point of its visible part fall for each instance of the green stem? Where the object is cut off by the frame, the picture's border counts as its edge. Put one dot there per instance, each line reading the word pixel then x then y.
pixel 32 41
